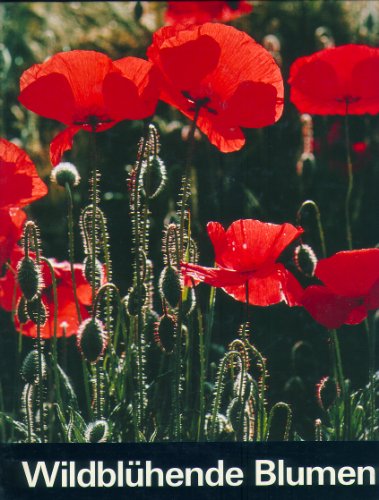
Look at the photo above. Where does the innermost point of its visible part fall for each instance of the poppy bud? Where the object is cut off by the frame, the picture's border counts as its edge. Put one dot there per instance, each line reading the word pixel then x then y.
pixel 165 333
pixel 305 260
pixel 97 432
pixel 22 313
pixel 87 271
pixel 37 311
pixel 235 413
pixel 170 286
pixel 327 391
pixel 29 368
pixel 65 173
pixel 280 419
pixel 153 176
pixel 29 278
pixel 134 303
pixel 151 319
pixel 91 339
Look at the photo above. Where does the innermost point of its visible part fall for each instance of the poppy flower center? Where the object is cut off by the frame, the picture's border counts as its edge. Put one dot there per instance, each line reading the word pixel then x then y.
pixel 93 121
pixel 198 103
pixel 348 99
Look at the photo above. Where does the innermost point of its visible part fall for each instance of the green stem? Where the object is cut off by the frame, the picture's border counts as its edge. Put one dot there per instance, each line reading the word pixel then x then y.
pixel 350 182
pixel 318 220
pixel 137 275
pixel 55 330
pixel 71 249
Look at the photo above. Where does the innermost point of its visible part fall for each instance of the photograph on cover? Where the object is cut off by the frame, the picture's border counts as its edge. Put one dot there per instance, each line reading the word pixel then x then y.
pixel 189 221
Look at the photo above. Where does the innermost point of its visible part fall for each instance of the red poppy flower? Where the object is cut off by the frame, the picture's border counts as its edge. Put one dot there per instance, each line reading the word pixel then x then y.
pixel 87 90
pixel 11 224
pixel 222 72
pixel 66 305
pixel 350 290
pixel 19 181
pixel 247 253
pixel 337 80
pixel 203 11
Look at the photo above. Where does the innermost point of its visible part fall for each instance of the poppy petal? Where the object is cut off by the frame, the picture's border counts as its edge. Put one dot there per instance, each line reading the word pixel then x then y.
pixel 19 180
pixel 331 310
pixel 203 11
pixel 62 143
pixel 269 287
pixel 11 224
pixel 350 273
pixel 218 277
pixel 250 244
pixel 132 94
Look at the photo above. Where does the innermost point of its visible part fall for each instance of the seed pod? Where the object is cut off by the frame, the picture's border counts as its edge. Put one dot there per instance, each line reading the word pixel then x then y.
pixel 22 312
pixel 29 278
pixel 305 260
pixel 87 271
pixel 29 368
pixel 133 304
pixel 37 311
pixel 153 176
pixel 165 333
pixel 97 432
pixel 170 286
pixel 65 173
pixel 91 339
pixel 327 391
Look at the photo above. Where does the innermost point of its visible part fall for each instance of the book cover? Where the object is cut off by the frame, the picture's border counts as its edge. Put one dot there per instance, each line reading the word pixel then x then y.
pixel 189 249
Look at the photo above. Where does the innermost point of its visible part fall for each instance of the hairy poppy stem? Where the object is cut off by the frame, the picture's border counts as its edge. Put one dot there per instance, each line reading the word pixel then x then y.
pixel 55 330
pixel 350 182
pixel 71 248
pixel 139 281
pixel 191 147
pixel 31 228
pixel 314 205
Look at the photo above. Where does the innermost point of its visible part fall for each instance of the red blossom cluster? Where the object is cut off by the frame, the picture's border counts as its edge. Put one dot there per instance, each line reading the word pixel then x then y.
pixel 222 79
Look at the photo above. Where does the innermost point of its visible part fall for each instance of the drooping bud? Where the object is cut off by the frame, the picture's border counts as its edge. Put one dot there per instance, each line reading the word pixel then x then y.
pixel 29 278
pixel 327 391
pixel 29 368
pixel 165 333
pixel 305 260
pixel 65 173
pixel 22 312
pixel 37 311
pixel 170 286
pixel 92 339
pixel 154 176
pixel 97 432
pixel 134 303
pixel 87 271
